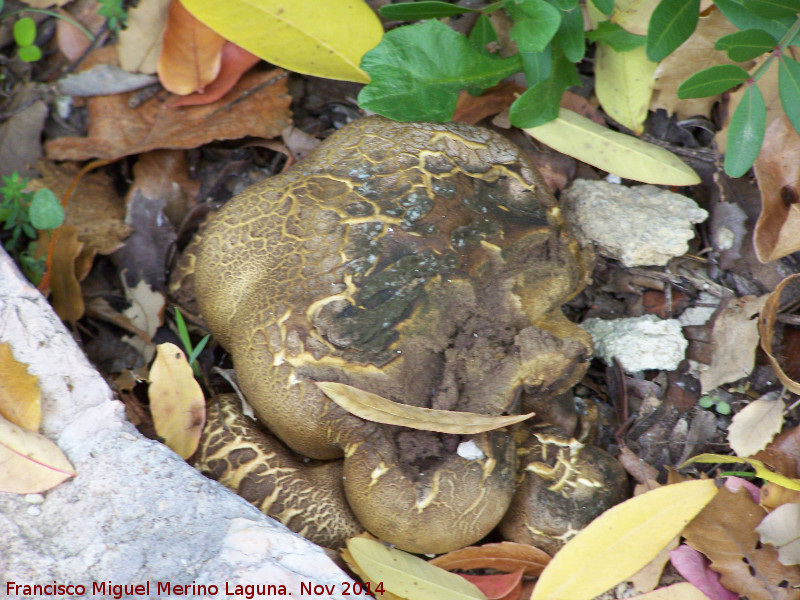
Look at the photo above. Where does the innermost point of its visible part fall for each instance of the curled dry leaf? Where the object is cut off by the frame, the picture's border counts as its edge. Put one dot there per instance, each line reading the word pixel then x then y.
pixel 20 397
pixel 766 328
pixel 777 168
pixel 621 541
pixel 31 463
pixel 236 62
pixel 408 576
pixel 781 528
pixel 755 425
pixel 67 296
pixel 375 408
pixel 191 52
pixel 507 557
pixel 176 400
pixel 617 153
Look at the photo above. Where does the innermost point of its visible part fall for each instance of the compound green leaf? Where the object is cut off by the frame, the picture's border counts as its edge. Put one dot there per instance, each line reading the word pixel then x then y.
pixel 621 541
pixel 604 6
pixel 736 12
pixel 746 45
pixel 532 34
pixel 746 132
pixel 45 211
pixel 427 9
pixel 537 66
pixel 616 37
pixel 773 9
pixel 325 39
pixel 712 81
pixel 418 70
pixel 617 153
pixel 540 103
pixel 789 89
pixel 671 24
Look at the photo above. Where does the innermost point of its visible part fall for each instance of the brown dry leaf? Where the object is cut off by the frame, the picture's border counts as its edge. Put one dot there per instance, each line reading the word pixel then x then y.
pixel 65 289
pixel 72 42
pixel 781 529
pixel 21 132
pixel 695 54
pixel 191 52
pixel 647 578
pixel 31 463
pixel 507 557
pixel 372 407
pixel 140 42
pixel 176 400
pixel 753 427
pixel 20 397
pixel 766 328
pixel 621 541
pixel 777 169
pixel 471 109
pixel 94 206
pixel 726 533
pixel 236 62
pixel 733 343
pixel 146 313
pixel 768 84
pixel 165 174
pixel 637 468
pixel 258 105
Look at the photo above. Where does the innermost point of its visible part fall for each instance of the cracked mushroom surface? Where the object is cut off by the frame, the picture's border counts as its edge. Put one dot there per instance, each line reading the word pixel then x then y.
pixel 426 263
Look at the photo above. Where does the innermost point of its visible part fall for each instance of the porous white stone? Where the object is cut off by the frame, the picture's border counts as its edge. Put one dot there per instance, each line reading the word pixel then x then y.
pixel 640 225
pixel 136 512
pixel 638 343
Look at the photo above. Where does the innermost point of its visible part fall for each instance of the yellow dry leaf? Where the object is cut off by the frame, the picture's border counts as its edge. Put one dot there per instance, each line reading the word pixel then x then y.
pixel 617 153
pixel 678 591
pixel 633 15
pixel 20 397
pixel 67 296
pixel 176 400
pixel 140 42
pixel 753 427
pixel 624 84
pixel 761 469
pixel 372 407
pixel 351 563
pixel 621 541
pixel 31 463
pixel 408 576
pixel 325 39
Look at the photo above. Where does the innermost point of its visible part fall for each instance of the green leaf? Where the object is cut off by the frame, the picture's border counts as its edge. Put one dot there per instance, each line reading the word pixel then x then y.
pixel 29 53
pixel 773 9
pixel 540 103
pixel 746 45
pixel 25 31
pixel 418 70
pixel 671 24
pixel 789 89
pixel 743 19
pixel 712 81
pixel 427 9
pixel 482 34
pixel 604 6
pixel 534 33
pixel 537 66
pixel 45 210
pixel 616 37
pixel 746 132
pixel 570 35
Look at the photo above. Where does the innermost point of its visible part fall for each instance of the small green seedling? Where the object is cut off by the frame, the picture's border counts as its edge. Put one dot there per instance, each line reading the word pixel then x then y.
pixel 115 14
pixel 25 37
pixel 191 352
pixel 720 405
pixel 22 215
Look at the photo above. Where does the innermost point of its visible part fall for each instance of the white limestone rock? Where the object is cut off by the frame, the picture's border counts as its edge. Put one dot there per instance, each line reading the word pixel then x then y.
pixel 641 225
pixel 638 343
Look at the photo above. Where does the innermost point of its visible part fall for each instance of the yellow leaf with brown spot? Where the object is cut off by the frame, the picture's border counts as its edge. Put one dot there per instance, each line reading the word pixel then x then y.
pixel 20 397
pixel 31 463
pixel 176 400
pixel 373 407
pixel 624 84
pixel 621 541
